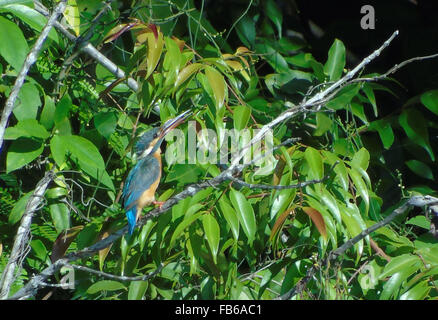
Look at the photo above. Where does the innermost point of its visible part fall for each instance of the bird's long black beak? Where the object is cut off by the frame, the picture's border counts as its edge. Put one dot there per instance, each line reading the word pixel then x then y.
pixel 173 123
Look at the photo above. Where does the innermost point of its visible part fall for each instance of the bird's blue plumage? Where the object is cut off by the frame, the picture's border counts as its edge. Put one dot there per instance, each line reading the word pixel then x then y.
pixel 139 179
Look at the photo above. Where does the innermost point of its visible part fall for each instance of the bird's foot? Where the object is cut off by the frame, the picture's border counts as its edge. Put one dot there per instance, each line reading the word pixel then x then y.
pixel 159 203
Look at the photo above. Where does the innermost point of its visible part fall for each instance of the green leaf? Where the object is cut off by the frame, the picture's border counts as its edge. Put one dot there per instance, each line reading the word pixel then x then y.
pixel 16 50
pixel 400 263
pixel 182 226
pixel 18 209
pixel 187 72
pixel 105 285
pixel 212 232
pixel 415 127
pixel 105 123
pixel 30 16
pixel 391 287
pixel 230 216
pixel 245 214
pixel 420 221
pixel 361 159
pixel 58 150
pixel 21 152
pixel 274 13
pixel 172 60
pixel 217 84
pixel 72 16
pixel 241 117
pixel 155 49
pixel 39 249
pixel 420 168
pixel 28 102
pixel 314 159
pixel 137 289
pixel 48 114
pixel 61 117
pixel 417 292
pixel 430 100
pixel 360 185
pixel 28 128
pixel 246 31
pixel 323 124
pixel 184 173
pixel 88 157
pixel 371 97
pixel 344 97
pixel 60 215
pixel 336 61
pixel 384 129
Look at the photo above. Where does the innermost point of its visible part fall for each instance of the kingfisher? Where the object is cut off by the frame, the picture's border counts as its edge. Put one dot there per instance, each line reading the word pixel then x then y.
pixel 143 179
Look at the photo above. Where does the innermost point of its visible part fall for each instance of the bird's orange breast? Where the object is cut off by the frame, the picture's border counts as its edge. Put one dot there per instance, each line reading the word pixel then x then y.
pixel 148 196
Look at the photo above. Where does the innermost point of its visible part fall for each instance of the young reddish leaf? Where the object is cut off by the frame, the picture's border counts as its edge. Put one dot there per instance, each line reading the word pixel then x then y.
pixel 180 43
pixel 154 30
pixel 117 31
pixel 63 241
pixel 317 219
pixel 104 252
pixel 242 50
pixel 278 225
pixel 155 48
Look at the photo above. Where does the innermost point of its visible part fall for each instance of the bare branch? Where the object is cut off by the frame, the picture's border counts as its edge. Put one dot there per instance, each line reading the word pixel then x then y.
pixel 395 68
pixel 21 239
pixel 113 276
pixel 28 62
pixel 276 187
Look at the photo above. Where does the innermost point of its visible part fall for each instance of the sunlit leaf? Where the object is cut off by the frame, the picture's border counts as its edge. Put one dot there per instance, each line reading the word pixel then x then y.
pixel 217 84
pixel 245 214
pixel 314 159
pixel 15 52
pixel 72 16
pixel 335 64
pixel 212 232
pixel 105 285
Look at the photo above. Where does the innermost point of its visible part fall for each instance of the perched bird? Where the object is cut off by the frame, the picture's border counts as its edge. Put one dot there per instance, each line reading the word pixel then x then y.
pixel 143 179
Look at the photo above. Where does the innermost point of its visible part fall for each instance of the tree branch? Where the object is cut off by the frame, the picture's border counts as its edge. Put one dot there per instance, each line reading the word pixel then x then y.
pixel 113 276
pixel 276 187
pixel 19 248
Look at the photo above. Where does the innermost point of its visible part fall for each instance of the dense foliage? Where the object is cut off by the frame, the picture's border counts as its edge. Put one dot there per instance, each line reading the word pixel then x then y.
pixel 227 242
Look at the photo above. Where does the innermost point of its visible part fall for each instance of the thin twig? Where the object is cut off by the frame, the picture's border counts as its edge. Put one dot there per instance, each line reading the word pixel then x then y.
pixel 276 187
pixel 113 276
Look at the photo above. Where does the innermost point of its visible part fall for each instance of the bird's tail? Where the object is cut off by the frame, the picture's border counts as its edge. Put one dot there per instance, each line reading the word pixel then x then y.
pixel 132 218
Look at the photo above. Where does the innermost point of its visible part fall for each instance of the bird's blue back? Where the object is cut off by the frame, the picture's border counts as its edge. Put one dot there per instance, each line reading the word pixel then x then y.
pixel 139 179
